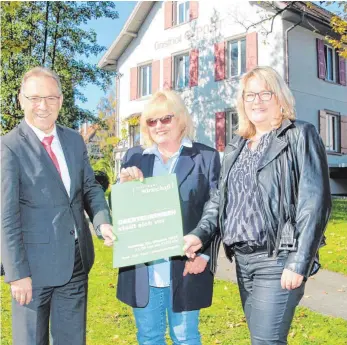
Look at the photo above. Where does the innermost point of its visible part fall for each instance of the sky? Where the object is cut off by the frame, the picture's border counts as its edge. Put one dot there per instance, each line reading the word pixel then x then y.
pixel 107 31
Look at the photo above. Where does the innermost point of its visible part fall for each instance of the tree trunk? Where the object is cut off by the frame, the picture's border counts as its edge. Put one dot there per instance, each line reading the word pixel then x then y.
pixel 55 41
pixel 46 34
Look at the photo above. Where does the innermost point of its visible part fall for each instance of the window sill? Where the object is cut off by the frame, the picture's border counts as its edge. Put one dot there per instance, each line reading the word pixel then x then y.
pixel 177 25
pixel 143 98
pixel 230 79
pixel 183 88
pixel 332 82
pixel 234 77
pixel 333 153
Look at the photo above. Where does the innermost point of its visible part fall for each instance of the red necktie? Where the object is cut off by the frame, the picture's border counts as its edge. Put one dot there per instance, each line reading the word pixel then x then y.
pixel 47 142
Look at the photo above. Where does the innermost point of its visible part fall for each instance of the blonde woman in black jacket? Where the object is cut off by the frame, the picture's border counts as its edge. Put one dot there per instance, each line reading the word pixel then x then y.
pixel 272 205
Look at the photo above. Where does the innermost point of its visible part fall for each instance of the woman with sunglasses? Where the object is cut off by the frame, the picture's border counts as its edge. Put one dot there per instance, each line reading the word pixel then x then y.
pixel 272 205
pixel 172 288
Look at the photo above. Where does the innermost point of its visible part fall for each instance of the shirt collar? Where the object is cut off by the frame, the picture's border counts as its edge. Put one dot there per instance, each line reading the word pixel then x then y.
pixel 154 148
pixel 40 134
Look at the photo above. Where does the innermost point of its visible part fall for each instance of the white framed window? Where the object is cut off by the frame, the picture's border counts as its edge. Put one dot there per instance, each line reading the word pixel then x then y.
pixel 145 80
pixel 332 132
pixel 236 57
pixel 331 64
pixel 181 71
pixel 182 12
pixel 231 125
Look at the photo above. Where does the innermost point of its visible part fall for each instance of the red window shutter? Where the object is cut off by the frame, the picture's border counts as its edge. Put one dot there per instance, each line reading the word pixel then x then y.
pixel 342 71
pixel 133 83
pixel 323 125
pixel 193 67
pixel 193 9
pixel 220 131
pixel 320 59
pixel 251 51
pixel 168 14
pixel 219 61
pixel 344 134
pixel 155 76
pixel 167 74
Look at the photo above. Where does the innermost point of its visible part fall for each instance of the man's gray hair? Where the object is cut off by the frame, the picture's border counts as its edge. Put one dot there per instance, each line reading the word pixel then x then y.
pixel 39 72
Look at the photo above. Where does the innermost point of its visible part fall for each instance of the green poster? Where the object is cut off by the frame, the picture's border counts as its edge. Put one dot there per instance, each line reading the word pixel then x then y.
pixel 147 220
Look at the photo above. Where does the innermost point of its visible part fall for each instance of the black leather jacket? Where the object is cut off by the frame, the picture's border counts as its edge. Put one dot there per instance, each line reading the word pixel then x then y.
pixel 297 155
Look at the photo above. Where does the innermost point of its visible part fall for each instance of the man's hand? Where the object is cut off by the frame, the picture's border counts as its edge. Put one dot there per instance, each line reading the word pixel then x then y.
pixel 22 290
pixel 130 174
pixel 192 244
pixel 195 266
pixel 107 234
pixel 291 280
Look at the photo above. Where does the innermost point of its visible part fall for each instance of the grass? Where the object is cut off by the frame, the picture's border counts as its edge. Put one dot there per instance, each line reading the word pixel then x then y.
pixel 111 322
pixel 334 254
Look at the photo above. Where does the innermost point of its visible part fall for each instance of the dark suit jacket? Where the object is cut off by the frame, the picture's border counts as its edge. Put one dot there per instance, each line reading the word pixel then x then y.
pixel 197 173
pixel 38 218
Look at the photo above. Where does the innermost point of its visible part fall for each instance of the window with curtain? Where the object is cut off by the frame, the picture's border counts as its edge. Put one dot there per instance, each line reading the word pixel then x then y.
pixel 145 82
pixel 236 57
pixel 182 12
pixel 181 71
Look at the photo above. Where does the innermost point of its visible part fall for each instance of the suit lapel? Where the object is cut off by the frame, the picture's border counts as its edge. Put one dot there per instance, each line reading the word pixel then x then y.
pixel 274 149
pixel 185 164
pixel 33 142
pixel 234 149
pixel 276 146
pixel 69 157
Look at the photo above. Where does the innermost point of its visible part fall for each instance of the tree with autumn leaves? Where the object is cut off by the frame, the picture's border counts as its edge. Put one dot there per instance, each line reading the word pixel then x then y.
pixel 338 24
pixel 107 140
pixel 51 34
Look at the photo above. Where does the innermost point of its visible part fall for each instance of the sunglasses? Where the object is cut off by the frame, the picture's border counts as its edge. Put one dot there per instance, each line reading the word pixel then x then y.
pixel 165 120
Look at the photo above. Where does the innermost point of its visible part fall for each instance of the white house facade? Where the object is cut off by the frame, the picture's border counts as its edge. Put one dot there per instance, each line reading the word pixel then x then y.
pixel 202 48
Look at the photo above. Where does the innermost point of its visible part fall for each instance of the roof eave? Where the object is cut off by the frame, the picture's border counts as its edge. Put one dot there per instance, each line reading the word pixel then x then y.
pixel 128 33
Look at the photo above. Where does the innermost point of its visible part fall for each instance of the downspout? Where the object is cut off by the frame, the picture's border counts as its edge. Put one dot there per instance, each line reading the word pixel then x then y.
pixel 118 75
pixel 287 45
pixel 117 103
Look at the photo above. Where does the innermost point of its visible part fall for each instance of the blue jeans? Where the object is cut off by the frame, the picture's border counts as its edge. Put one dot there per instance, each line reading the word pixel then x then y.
pixel 269 309
pixel 151 321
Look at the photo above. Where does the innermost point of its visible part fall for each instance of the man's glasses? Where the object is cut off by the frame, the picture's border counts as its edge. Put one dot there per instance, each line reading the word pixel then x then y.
pixel 51 100
pixel 250 96
pixel 165 120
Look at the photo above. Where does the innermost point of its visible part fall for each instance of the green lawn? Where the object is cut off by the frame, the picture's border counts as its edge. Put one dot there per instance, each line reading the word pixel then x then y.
pixel 111 322
pixel 334 254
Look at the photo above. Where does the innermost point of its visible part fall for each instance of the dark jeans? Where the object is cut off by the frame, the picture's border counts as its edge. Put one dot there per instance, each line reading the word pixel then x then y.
pixel 269 309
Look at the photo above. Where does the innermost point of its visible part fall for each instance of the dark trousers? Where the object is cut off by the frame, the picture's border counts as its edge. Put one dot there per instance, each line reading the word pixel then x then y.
pixel 63 307
pixel 269 309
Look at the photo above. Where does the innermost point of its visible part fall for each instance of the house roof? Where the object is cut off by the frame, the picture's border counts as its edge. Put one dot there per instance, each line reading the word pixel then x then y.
pixel 142 9
pixel 128 33
pixel 313 10
pixel 88 131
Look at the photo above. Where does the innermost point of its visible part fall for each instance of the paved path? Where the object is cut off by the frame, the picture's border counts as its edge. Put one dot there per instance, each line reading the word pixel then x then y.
pixel 325 292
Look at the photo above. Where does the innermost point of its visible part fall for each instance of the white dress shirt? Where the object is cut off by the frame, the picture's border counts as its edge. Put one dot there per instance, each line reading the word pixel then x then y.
pixel 58 151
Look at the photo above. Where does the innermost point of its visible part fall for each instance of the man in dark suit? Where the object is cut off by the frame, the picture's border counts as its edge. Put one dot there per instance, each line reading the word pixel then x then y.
pixel 47 248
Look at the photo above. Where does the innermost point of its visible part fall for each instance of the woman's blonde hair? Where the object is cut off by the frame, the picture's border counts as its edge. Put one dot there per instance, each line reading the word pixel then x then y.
pixel 275 83
pixel 168 102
